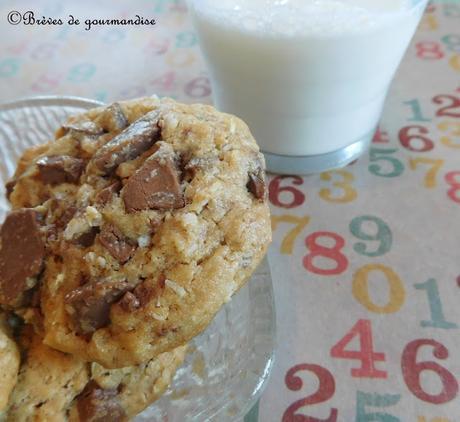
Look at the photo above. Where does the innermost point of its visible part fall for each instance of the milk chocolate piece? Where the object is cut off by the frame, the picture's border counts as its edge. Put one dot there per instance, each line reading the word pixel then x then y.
pixel 129 144
pixel 95 404
pixel 86 127
pixel 87 239
pixel 113 118
pixel 155 185
pixel 117 244
pixel 58 169
pixel 104 195
pixel 256 184
pixel 91 303
pixel 22 251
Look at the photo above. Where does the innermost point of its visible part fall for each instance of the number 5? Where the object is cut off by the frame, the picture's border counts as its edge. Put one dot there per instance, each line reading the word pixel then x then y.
pixel 382 155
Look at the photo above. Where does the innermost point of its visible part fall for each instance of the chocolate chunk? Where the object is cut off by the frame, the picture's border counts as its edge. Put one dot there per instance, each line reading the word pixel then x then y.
pixel 87 239
pixel 63 218
pixel 104 195
pixel 22 251
pixel 86 127
pixel 129 144
pixel 113 118
pixel 256 184
pixel 117 244
pixel 95 404
pixel 60 169
pixel 9 187
pixel 91 303
pixel 129 302
pixel 155 185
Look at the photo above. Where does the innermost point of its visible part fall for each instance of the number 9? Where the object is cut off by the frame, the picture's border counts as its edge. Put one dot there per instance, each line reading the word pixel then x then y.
pixel 360 228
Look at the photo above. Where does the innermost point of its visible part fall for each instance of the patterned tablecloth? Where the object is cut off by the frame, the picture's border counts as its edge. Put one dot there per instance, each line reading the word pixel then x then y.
pixel 365 260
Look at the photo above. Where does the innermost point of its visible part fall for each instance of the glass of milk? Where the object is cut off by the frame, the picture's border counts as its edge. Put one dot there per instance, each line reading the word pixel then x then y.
pixel 308 76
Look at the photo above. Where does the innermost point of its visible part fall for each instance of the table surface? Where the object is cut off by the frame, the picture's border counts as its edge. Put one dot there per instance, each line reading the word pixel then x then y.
pixel 365 260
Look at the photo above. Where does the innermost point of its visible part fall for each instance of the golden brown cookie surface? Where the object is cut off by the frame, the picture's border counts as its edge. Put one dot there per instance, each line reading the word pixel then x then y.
pixel 153 214
pixel 56 387
pixel 9 363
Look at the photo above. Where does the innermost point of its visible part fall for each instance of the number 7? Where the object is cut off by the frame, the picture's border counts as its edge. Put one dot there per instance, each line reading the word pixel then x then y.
pixel 430 177
pixel 287 245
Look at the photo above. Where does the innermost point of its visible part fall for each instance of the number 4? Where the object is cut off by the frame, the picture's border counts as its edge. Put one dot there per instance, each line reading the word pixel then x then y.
pixel 366 354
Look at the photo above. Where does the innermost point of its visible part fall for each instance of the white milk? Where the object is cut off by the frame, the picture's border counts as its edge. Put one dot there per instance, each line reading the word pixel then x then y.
pixel 308 76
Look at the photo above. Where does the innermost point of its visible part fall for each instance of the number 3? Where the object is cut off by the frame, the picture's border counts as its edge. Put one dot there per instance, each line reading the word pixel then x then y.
pixel 349 194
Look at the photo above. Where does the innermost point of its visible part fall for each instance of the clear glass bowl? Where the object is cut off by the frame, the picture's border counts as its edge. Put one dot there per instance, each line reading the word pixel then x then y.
pixel 228 365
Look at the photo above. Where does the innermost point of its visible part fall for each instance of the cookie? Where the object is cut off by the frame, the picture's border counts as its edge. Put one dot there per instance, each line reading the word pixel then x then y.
pixel 9 363
pixel 56 387
pixel 152 213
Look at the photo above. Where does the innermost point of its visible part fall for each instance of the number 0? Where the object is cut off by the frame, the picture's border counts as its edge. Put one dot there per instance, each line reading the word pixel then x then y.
pixel 361 289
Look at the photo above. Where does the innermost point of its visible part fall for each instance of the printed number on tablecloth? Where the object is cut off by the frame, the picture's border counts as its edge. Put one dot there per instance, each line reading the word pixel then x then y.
pixel 413 138
pixel 162 6
pixel 164 82
pixel 451 10
pixel 438 320
pixel 429 50
pixel 46 83
pixel 9 67
pixel 366 354
pixel 452 42
pixel 383 164
pixel 417 114
pixel 331 253
pixel 455 62
pixel 451 128
pixel 199 87
pixel 411 370
pixel 287 245
pixel 433 170
pixel 186 39
pixel 449 103
pixel 378 401
pixel 285 196
pixel 180 58
pixel 44 51
pixel 82 72
pixel 113 35
pixel 132 92
pixel 325 391
pixel 397 293
pixel 453 180
pixel 157 46
pixel 380 137
pixel 371 229
pixel 344 184
pixel 449 107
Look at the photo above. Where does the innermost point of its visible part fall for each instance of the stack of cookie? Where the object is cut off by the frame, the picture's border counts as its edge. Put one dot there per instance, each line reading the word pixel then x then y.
pixel 126 236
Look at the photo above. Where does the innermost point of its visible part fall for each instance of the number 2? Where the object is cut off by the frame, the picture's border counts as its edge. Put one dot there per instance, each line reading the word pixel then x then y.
pixel 447 110
pixel 325 391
